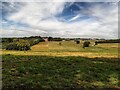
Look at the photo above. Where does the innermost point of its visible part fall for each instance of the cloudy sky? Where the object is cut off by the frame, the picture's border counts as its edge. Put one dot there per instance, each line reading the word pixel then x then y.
pixel 60 19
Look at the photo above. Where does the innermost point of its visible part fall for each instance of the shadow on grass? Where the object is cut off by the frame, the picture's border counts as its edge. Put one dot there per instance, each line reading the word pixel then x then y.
pixel 30 72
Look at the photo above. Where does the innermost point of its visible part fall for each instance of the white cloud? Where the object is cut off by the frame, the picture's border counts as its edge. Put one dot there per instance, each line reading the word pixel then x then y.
pixel 32 13
pixel 77 16
pixel 41 18
pixel 60 0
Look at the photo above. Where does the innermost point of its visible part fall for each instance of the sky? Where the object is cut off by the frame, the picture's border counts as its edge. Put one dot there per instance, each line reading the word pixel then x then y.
pixel 60 19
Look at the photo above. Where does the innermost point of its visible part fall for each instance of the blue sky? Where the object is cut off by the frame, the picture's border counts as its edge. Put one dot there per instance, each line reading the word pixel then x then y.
pixel 60 19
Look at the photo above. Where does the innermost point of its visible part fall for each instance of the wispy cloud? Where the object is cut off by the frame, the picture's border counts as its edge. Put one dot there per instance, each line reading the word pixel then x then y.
pixel 42 19
pixel 77 16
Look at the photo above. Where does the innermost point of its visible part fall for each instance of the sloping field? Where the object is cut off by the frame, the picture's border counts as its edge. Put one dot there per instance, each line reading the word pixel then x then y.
pixel 67 66
pixel 70 48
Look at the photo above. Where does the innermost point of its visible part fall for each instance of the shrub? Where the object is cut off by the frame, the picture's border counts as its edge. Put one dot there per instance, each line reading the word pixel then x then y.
pixel 77 42
pixel 96 43
pixel 21 45
pixel 35 41
pixel 11 46
pixel 86 44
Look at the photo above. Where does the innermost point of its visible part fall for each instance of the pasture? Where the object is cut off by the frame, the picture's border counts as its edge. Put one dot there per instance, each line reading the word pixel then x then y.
pixel 69 48
pixel 51 65
pixel 59 72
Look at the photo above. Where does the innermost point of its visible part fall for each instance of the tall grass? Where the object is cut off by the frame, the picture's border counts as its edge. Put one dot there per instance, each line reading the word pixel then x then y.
pixel 59 72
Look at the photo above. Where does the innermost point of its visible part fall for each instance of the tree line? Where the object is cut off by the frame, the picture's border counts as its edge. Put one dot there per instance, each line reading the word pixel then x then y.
pixel 108 41
pixel 21 44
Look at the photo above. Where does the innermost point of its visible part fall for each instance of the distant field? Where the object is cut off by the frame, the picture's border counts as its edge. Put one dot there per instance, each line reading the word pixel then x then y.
pixel 70 48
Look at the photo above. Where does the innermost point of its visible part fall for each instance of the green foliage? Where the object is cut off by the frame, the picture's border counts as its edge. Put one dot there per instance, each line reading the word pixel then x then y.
pixel 7 40
pixel 77 42
pixel 35 41
pixel 54 39
pixel 108 41
pixel 86 44
pixel 21 45
pixel 96 43
pixel 50 38
pixel 11 46
pixel 15 40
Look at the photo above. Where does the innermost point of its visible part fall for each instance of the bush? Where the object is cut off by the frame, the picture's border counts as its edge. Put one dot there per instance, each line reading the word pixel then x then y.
pixel 11 46
pixel 77 42
pixel 21 45
pixel 86 44
pixel 35 41
pixel 96 43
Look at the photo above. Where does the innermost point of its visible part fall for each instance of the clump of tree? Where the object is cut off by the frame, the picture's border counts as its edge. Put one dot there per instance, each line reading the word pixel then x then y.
pixel 11 46
pixel 54 39
pixel 108 41
pixel 21 45
pixel 86 44
pixel 35 41
pixel 7 40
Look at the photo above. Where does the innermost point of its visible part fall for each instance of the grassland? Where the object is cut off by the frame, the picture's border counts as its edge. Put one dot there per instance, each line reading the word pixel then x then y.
pixel 59 72
pixel 50 65
pixel 69 48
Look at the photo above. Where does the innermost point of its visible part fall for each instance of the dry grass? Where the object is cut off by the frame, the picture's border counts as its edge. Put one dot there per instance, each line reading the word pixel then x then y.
pixel 69 48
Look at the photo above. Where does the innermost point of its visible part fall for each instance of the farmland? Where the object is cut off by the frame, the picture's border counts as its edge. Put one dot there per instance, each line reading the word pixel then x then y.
pixel 66 65
pixel 69 48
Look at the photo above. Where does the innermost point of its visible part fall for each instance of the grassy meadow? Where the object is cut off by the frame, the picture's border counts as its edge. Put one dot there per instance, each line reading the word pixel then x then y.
pixel 69 48
pixel 51 65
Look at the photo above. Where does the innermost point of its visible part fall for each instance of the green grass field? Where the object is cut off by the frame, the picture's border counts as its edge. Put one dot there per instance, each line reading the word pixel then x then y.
pixel 69 48
pixel 59 72
pixel 50 65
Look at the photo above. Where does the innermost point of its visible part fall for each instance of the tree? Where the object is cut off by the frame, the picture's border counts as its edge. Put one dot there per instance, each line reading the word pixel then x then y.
pixel 77 42
pixel 21 45
pixel 86 44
